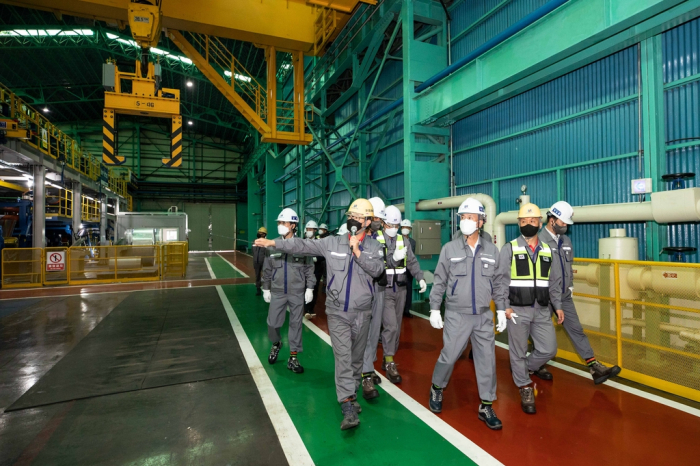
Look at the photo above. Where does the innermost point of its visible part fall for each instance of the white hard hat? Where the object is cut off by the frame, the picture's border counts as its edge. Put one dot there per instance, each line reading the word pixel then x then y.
pixel 311 224
pixel 288 215
pixel 323 226
pixel 343 230
pixel 471 206
pixel 393 215
pixel 379 207
pixel 563 211
pixel 406 223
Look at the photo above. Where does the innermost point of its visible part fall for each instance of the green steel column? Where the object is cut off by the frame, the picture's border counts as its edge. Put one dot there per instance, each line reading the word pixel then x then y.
pixel 362 172
pixel 138 150
pixel 301 184
pixel 255 220
pixel 274 192
pixel 654 133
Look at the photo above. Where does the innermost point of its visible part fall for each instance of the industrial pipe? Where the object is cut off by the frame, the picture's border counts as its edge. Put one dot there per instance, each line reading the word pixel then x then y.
pixel 455 201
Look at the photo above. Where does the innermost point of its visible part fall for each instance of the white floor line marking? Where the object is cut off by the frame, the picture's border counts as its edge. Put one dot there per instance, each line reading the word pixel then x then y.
pixel 293 446
pixel 624 388
pixel 449 433
pixel 417 314
pixel 211 272
pixel 234 267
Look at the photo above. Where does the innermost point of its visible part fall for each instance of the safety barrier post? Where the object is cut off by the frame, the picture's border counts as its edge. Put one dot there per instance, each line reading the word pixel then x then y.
pixel 618 314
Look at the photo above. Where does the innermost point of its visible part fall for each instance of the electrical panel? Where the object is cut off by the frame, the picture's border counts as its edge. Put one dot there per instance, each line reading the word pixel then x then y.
pixel 428 236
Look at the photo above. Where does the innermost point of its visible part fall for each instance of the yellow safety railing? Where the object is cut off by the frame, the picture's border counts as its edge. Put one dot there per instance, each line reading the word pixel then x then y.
pixel 642 316
pixel 22 268
pixel 129 203
pixel 113 264
pixel 55 268
pixel 47 138
pixel 90 209
pixel 175 259
pixel 117 183
pixel 59 202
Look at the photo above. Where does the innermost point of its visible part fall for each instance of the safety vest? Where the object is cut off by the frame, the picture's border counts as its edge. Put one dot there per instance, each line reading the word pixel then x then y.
pixel 399 245
pixel 529 281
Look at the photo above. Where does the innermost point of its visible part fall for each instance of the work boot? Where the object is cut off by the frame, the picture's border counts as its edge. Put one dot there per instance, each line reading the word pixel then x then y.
pixel 527 400
pixel 488 415
pixel 435 402
pixel 600 373
pixel 376 380
pixel 274 352
pixel 368 390
pixel 350 418
pixel 392 373
pixel 294 366
pixel 542 373
pixel 356 405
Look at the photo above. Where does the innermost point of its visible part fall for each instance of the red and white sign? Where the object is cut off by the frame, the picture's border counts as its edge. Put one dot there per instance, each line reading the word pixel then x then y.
pixel 56 261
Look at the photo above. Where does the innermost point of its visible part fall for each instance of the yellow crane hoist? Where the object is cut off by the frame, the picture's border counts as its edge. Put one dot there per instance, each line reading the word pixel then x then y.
pixel 139 93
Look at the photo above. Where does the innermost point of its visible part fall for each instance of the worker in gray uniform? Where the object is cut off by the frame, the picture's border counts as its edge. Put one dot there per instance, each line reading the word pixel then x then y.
pixel 285 277
pixel 534 284
pixel 311 232
pixel 398 259
pixel 466 272
pixel 406 229
pixel 259 261
pixel 369 391
pixel 352 260
pixel 559 217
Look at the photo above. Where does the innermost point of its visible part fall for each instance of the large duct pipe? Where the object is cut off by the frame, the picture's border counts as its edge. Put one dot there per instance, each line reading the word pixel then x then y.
pixel 455 201
pixel 681 205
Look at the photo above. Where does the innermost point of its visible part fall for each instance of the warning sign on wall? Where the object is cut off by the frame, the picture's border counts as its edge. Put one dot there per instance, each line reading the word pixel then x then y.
pixel 56 261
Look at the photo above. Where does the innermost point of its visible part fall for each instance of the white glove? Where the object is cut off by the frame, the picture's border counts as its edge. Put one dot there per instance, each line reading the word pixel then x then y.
pixel 436 319
pixel 308 296
pixel 267 296
pixel 423 286
pixel 501 325
pixel 399 254
pixel 315 259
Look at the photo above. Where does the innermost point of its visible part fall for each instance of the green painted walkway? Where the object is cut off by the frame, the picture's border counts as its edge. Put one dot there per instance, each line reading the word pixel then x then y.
pixel 223 269
pixel 388 434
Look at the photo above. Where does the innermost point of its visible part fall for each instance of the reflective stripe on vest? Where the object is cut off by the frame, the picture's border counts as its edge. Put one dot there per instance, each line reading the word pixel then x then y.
pixel 534 273
pixel 399 245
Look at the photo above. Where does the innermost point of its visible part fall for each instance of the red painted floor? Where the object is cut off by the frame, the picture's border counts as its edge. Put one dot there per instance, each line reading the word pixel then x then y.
pixel 577 422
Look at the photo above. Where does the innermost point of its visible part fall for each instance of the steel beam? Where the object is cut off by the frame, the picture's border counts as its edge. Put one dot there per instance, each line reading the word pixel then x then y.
pixel 39 208
pixel 577 26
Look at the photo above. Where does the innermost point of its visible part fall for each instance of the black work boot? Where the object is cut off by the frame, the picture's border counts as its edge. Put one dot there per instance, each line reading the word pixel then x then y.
pixel 294 366
pixel 274 352
pixel 392 373
pixel 350 418
pixel 356 405
pixel 527 400
pixel 435 402
pixel 488 415
pixel 368 389
pixel 600 373
pixel 376 380
pixel 542 373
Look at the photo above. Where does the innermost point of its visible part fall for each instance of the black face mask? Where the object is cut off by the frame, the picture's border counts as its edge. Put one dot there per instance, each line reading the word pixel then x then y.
pixel 323 235
pixel 528 231
pixel 261 235
pixel 376 225
pixel 560 230
pixel 354 223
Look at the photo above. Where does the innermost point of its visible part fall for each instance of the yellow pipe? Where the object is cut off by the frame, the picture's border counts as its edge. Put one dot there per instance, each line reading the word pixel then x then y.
pixel 16 187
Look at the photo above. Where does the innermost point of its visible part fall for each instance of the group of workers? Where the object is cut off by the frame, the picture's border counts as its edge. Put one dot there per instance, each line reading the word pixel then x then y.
pixel 369 268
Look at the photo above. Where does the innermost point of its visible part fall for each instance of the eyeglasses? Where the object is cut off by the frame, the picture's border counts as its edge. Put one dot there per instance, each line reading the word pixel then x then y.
pixel 356 217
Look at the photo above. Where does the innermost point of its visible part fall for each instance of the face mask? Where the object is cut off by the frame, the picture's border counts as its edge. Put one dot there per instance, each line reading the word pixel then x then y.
pixel 391 232
pixel 376 225
pixel 309 234
pixel 353 223
pixel 559 230
pixel 528 231
pixel 261 235
pixel 282 230
pixel 405 231
pixel 467 226
pixel 322 233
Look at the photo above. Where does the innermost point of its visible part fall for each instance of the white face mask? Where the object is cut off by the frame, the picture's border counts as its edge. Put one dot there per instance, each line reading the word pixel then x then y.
pixel 309 234
pixel 467 226
pixel 282 230
pixel 391 232
pixel 405 231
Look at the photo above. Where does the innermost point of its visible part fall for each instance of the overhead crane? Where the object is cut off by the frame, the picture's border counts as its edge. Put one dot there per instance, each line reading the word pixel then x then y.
pixel 295 26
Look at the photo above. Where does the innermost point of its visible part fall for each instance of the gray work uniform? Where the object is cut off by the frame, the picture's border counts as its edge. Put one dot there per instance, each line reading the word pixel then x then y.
pixel 533 321
pixel 470 280
pixel 287 276
pixel 349 297
pixel 563 257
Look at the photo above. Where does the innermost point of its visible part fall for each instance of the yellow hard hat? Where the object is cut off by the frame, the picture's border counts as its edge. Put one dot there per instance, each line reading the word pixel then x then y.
pixel 361 207
pixel 262 230
pixel 529 211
